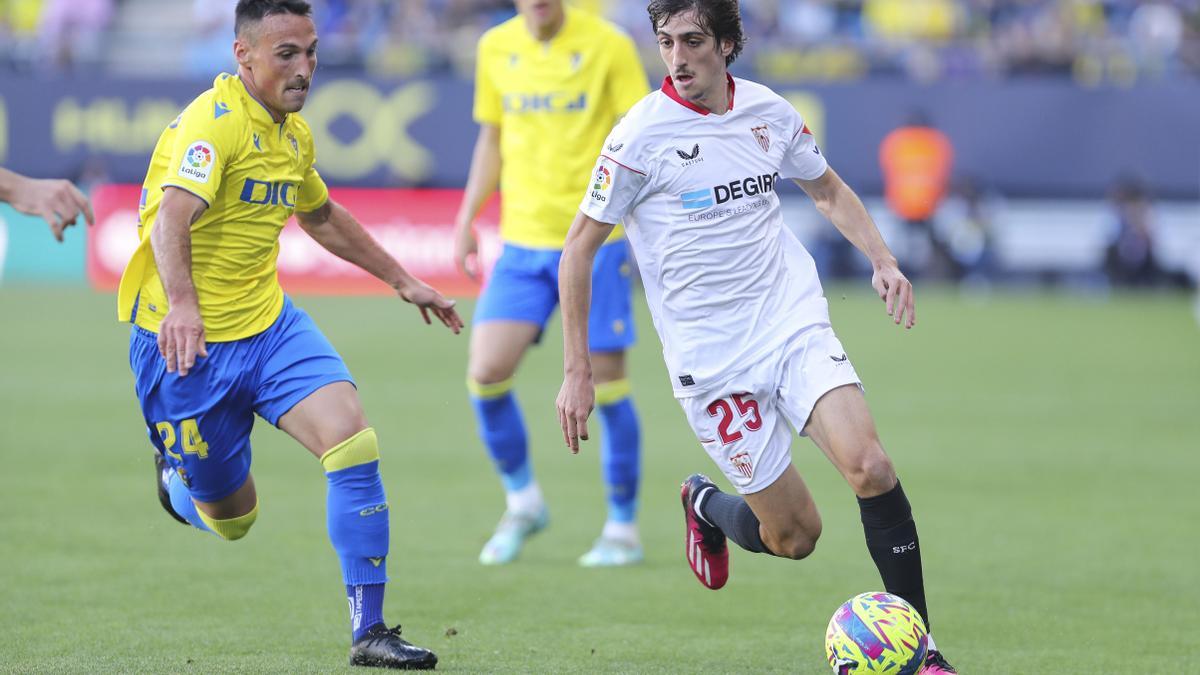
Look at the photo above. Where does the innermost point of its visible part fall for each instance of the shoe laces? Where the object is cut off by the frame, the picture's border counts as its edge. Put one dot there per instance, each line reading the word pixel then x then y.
pixel 387 634
pixel 935 658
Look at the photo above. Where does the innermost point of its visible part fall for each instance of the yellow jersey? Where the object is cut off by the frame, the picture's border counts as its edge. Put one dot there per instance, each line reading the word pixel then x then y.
pixel 554 104
pixel 253 173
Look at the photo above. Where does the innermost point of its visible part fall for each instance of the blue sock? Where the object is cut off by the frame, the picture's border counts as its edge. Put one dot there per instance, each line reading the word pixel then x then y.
pixel 366 607
pixel 181 501
pixel 620 452
pixel 357 517
pixel 502 430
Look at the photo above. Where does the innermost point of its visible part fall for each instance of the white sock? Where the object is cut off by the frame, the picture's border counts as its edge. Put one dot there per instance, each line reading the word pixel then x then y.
pixel 526 500
pixel 625 532
pixel 932 647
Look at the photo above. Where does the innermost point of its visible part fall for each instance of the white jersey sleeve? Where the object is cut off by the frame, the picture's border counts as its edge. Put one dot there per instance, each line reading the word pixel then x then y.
pixel 802 159
pixel 618 181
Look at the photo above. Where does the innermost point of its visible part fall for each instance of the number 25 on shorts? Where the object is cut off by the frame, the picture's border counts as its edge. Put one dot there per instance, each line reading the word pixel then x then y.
pixel 747 410
pixel 189 433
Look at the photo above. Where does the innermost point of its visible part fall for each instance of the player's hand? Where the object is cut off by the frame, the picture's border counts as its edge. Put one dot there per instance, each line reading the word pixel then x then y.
pixel 58 202
pixel 466 251
pixel 897 291
pixel 429 300
pixel 575 402
pixel 181 337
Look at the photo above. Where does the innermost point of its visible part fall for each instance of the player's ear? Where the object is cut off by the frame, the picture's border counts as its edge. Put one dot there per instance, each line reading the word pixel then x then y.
pixel 241 51
pixel 726 48
pixel 242 43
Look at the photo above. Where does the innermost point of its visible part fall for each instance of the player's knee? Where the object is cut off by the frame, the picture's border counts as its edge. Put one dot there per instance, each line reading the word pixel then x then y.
pixel 489 370
pixel 488 373
pixel 796 544
pixel 801 549
pixel 346 419
pixel 608 367
pixel 486 382
pixel 231 529
pixel 872 473
pixel 797 541
pixel 342 428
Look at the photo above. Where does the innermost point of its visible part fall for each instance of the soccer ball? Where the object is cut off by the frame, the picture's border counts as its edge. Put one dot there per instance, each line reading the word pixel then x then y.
pixel 876 633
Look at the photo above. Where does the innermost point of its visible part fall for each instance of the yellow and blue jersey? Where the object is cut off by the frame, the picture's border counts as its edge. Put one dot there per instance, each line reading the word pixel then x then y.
pixel 554 103
pixel 253 173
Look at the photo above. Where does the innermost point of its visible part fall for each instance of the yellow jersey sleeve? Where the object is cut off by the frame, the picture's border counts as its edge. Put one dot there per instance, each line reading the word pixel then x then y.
pixel 313 191
pixel 206 140
pixel 627 79
pixel 488 105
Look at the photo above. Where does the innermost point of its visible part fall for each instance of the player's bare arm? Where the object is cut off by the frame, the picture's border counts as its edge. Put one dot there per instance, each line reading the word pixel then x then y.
pixel 482 181
pixel 578 395
pixel 838 202
pixel 334 228
pixel 181 334
pixel 58 202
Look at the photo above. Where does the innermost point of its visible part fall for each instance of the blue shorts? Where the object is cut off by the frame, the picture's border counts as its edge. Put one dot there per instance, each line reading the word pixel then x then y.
pixel 201 422
pixel 524 287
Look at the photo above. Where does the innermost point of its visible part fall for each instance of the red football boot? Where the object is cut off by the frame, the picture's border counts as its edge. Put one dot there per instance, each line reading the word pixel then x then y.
pixel 707 552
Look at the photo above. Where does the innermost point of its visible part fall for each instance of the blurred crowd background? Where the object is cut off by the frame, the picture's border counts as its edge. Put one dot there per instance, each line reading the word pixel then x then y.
pixel 839 40
pixel 994 140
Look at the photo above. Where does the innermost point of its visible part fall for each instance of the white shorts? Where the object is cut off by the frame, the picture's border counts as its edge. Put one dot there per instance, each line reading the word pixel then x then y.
pixel 739 422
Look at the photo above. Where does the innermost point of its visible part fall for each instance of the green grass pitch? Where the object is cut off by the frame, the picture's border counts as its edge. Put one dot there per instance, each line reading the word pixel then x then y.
pixel 1049 446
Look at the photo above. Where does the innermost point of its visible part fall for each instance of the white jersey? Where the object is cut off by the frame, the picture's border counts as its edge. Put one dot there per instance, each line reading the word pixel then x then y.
pixel 726 282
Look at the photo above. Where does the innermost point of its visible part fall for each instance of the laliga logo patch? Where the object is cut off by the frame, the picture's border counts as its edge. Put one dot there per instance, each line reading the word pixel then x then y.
pixel 199 156
pixel 198 162
pixel 602 183
pixel 603 179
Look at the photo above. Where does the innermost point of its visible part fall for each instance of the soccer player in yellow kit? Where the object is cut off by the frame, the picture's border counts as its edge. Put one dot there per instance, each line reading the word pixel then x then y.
pixel 215 340
pixel 549 85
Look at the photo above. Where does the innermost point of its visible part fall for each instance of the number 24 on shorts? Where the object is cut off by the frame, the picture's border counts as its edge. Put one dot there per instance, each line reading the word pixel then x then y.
pixel 747 410
pixel 189 432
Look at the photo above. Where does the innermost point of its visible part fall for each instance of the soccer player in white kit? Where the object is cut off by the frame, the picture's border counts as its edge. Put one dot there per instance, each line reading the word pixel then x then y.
pixel 691 171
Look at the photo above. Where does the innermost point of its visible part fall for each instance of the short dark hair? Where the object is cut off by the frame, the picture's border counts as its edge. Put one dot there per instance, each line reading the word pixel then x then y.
pixel 253 11
pixel 722 18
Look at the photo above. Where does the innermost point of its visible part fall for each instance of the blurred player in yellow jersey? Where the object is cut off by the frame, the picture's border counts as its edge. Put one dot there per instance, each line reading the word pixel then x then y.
pixel 215 340
pixel 549 85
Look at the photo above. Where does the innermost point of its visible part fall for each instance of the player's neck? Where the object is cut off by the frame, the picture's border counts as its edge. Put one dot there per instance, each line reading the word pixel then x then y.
pixel 252 89
pixel 546 32
pixel 716 100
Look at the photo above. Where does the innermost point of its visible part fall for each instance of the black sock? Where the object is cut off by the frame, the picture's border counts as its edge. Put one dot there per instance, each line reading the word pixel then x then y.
pixel 894 546
pixel 732 515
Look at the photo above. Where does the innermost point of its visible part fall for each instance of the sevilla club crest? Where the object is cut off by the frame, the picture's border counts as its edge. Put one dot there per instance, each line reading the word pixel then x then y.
pixel 762 136
pixel 741 462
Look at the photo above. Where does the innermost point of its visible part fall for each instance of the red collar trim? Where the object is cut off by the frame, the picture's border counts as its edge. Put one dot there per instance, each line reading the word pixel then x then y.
pixel 668 88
